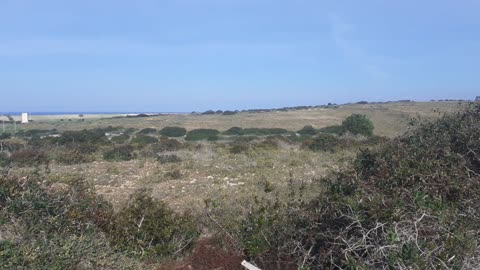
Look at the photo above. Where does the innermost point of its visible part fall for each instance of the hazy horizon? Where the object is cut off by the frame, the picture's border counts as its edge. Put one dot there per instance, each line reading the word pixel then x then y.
pixel 186 55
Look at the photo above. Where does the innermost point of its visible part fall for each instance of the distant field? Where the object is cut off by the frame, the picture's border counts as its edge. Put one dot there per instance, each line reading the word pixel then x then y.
pixel 390 119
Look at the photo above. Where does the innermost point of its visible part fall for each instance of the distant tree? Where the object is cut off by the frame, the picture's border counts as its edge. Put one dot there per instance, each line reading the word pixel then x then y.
pixel 173 131
pixel 358 124
pixel 307 130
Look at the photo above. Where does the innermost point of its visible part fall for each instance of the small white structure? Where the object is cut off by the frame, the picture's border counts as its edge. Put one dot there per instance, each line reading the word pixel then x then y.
pixel 24 118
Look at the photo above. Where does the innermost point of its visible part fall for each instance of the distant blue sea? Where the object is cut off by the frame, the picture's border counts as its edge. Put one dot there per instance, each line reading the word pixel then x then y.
pixel 86 113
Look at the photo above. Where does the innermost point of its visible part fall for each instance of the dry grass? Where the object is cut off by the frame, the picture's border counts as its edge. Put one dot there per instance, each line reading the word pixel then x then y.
pixel 390 119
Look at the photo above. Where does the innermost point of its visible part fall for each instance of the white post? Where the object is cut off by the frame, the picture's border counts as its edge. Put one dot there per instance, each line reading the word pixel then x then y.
pixel 249 266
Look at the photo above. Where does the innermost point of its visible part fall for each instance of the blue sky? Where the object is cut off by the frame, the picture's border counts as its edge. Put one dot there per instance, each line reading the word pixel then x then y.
pixel 186 55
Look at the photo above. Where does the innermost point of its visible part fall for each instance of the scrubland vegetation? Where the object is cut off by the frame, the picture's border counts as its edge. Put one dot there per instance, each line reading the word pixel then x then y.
pixel 330 197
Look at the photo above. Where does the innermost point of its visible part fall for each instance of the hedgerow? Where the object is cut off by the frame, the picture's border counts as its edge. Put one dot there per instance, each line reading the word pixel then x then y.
pixel 173 131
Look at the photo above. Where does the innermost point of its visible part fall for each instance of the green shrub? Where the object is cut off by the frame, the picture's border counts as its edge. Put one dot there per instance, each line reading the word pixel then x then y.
pixel 168 158
pixel 148 227
pixel 322 142
pixel 120 139
pixel 29 157
pixel 389 210
pixel 202 134
pixel 43 228
pixel 147 131
pixel 4 136
pixel 93 136
pixel 234 131
pixel 71 156
pixel 307 130
pixel 239 147
pixel 264 131
pixel 119 153
pixel 173 131
pixel 141 140
pixel 333 129
pixel 358 124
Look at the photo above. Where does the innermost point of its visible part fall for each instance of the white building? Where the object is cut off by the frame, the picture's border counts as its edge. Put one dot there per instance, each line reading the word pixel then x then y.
pixel 24 118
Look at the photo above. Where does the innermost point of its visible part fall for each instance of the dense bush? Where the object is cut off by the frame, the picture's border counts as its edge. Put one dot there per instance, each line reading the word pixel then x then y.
pixel 149 227
pixel 412 203
pixel 229 113
pixel 173 131
pixel 119 153
pixel 93 136
pixel 168 158
pixel 333 129
pixel 307 130
pixel 120 139
pixel 322 142
pixel 147 131
pixel 29 157
pixel 71 156
pixel 234 131
pixel 264 131
pixel 141 140
pixel 202 134
pixel 46 229
pixel 4 136
pixel 358 124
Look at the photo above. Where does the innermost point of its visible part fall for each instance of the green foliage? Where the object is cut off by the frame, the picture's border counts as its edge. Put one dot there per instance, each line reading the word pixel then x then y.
pixel 339 130
pixel 234 131
pixel 93 136
pixel 70 156
pixel 358 124
pixel 389 211
pixel 202 134
pixel 255 131
pixel 307 130
pixel 29 157
pixel 4 136
pixel 49 229
pixel 173 131
pixel 148 227
pixel 119 153
pixel 120 139
pixel 264 131
pixel 147 131
pixel 322 142
pixel 141 140
pixel 168 158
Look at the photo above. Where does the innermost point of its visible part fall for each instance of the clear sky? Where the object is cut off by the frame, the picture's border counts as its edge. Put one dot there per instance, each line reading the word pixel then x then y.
pixel 186 55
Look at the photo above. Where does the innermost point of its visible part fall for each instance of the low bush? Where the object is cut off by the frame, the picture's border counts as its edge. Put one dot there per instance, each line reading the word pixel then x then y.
pixel 147 227
pixel 147 131
pixel 29 157
pixel 47 229
pixel 358 124
pixel 119 153
pixel 173 131
pixel 168 158
pixel 120 139
pixel 141 140
pixel 71 156
pixel 322 142
pixel 307 130
pixel 409 203
pixel 234 131
pixel 239 147
pixel 229 113
pixel 264 131
pixel 4 136
pixel 339 130
pixel 202 134
pixel 93 136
